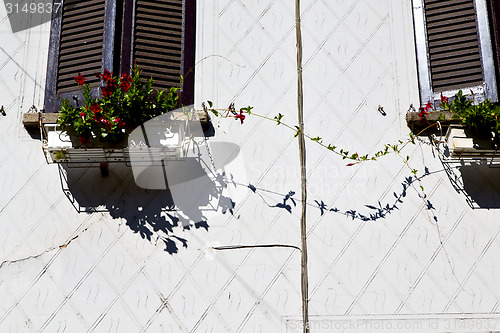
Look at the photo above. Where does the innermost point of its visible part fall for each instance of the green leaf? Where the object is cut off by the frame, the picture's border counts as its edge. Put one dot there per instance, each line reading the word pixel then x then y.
pixel 297 132
pixel 210 104
pixel 317 139
pixel 278 118
pixel 248 109
pixel 412 138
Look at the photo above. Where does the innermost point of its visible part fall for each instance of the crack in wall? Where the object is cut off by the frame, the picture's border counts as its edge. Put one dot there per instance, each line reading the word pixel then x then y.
pixel 9 262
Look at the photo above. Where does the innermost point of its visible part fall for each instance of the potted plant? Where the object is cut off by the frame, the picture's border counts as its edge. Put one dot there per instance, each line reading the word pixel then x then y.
pixel 481 119
pixel 125 102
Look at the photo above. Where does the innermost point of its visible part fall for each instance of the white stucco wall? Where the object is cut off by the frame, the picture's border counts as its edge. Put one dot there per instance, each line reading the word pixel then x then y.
pixel 92 271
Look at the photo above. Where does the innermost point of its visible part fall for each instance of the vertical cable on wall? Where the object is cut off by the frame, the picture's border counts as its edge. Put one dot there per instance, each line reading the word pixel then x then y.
pixel 303 184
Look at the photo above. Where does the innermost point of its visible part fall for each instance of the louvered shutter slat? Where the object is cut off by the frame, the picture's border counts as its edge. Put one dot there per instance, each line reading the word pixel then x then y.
pixel 158 25
pixel 454 54
pixel 81 19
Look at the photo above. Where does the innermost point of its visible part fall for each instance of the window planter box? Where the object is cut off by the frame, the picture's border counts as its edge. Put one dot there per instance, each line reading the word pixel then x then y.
pixel 424 125
pixel 462 143
pixel 153 141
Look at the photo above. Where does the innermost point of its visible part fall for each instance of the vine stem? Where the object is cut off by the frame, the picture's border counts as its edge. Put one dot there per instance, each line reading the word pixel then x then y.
pixel 342 153
pixel 423 195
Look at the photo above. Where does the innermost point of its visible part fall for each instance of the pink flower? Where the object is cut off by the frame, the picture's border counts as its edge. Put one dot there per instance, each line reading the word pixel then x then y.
pixel 119 122
pixel 240 116
pixel 106 123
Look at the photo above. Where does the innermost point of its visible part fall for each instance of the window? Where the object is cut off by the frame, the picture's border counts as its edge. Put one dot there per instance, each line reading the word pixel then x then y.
pixel 92 35
pixel 454 49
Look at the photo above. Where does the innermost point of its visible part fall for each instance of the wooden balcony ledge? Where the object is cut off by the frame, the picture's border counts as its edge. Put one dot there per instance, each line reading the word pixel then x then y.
pixel 32 119
pixel 428 124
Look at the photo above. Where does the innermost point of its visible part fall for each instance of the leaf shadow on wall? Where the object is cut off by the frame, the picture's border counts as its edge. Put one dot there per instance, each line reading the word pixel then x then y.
pixel 375 211
pixel 153 214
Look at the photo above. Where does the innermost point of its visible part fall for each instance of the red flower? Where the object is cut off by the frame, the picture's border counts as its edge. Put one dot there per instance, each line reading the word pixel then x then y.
pixel 444 99
pixel 350 164
pixel 82 114
pixel 124 85
pixel 107 91
pixel 95 108
pixel 106 75
pixel 473 97
pixel 428 106
pixel 422 113
pixel 240 116
pixel 126 77
pixel 83 140
pixel 79 79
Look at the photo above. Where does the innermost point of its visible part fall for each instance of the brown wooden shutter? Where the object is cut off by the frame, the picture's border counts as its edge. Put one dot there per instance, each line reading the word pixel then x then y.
pixel 454 49
pixel 81 41
pixel 455 59
pixel 160 38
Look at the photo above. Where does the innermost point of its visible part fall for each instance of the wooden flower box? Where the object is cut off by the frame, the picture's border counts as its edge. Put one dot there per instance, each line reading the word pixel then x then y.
pixel 154 142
